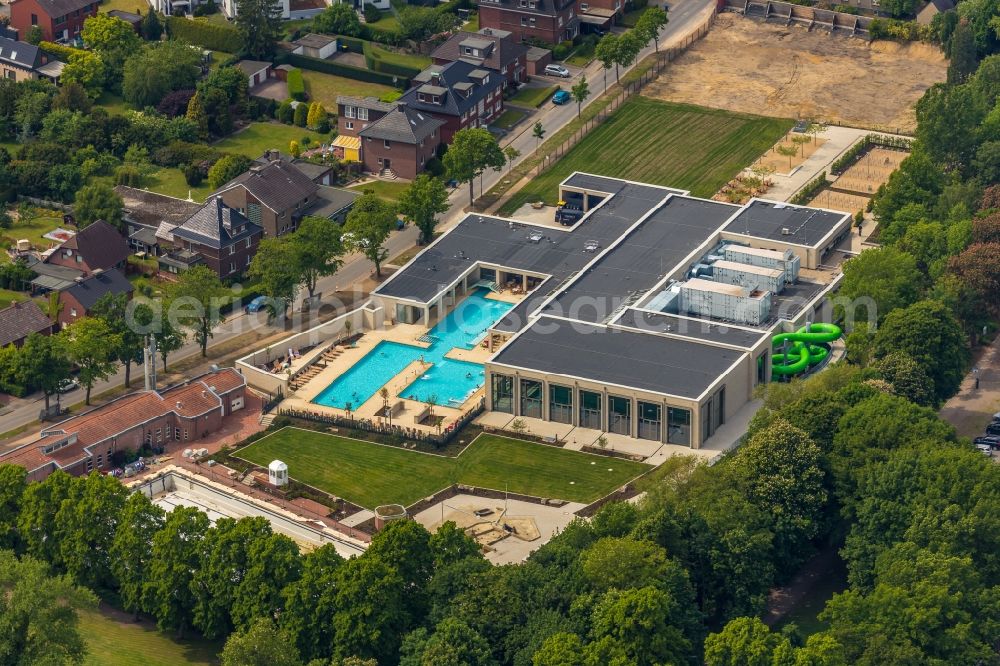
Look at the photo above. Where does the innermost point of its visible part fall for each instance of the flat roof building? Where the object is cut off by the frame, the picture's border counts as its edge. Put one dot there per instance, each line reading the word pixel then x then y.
pixel 637 320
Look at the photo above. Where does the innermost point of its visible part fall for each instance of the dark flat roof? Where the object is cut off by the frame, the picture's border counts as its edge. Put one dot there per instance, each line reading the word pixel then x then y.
pixel 641 259
pixel 493 240
pixel 765 219
pixel 618 356
pixel 595 183
pixel 689 327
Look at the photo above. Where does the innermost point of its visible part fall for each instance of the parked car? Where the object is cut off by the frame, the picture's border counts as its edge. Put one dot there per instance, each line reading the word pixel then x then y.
pixel 986 449
pixel 993 428
pixel 561 97
pixel 557 70
pixel 67 385
pixel 256 305
pixel 988 440
pixel 996 418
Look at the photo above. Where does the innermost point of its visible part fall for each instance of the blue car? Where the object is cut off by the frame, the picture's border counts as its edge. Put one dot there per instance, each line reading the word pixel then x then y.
pixel 256 305
pixel 561 97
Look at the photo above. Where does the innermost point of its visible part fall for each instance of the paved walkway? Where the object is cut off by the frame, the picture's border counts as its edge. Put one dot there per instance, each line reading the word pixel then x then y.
pixel 971 408
pixel 838 139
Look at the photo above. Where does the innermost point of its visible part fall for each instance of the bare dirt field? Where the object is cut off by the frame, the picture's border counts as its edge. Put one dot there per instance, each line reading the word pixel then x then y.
pixel 787 71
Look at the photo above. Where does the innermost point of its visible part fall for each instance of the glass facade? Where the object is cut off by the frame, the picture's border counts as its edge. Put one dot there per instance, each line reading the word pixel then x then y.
pixel 503 394
pixel 560 403
pixel 591 411
pixel 678 426
pixel 531 398
pixel 650 420
pixel 619 415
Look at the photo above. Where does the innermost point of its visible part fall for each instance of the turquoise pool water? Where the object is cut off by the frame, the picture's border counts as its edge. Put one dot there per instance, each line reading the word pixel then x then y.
pixel 451 381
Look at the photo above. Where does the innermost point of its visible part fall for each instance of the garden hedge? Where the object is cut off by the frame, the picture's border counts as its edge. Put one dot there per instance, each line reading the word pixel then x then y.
pixel 811 189
pixel 296 86
pixel 203 34
pixel 347 71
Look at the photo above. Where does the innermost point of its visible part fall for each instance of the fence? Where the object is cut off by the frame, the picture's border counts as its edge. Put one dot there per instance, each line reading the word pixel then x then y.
pixel 46 203
pixel 379 428
pixel 662 60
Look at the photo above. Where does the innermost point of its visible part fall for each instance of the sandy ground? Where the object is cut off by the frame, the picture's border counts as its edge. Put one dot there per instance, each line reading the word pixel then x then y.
pixel 786 71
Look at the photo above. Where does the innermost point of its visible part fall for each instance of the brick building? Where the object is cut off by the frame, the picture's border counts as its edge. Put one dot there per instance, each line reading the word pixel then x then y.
pixel 180 414
pixel 461 94
pixel 274 196
pixel 97 246
pixel 402 142
pixel 22 62
pixel 19 320
pixel 60 20
pixel 223 237
pixel 76 300
pixel 551 21
pixel 491 49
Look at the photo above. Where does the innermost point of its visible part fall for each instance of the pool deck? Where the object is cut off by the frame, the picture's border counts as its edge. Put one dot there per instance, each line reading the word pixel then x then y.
pixel 407 334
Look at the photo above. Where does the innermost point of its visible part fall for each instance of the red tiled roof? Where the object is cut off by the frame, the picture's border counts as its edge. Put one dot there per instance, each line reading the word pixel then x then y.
pixel 198 397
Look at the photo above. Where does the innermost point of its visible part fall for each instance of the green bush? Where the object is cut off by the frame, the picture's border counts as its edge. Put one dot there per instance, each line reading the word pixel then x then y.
pixel 338 69
pixel 562 50
pixel 285 112
pixel 296 86
pixel 206 35
pixel 300 115
pixel 193 175
pixel 372 13
pixel 855 152
pixel 900 31
pixel 352 44
pixel 128 175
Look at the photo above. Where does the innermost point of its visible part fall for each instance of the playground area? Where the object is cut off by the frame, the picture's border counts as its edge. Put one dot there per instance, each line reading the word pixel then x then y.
pixel 788 72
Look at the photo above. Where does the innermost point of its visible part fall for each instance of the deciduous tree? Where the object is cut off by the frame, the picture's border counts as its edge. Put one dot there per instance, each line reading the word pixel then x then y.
pixel 263 644
pixel 196 299
pixel 131 549
pixel 317 250
pixel 368 226
pixel 472 151
pixel 580 93
pixel 91 344
pixel 43 363
pixel 98 202
pixel 422 202
pixel 174 558
pixel 259 23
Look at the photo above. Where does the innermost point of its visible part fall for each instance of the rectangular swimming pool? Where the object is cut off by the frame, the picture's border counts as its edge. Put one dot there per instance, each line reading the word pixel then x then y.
pixel 449 381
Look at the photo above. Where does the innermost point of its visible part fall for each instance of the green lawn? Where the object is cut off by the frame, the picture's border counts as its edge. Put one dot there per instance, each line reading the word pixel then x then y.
pixel 171 182
pixel 33 231
pixel 404 59
pixel 531 96
pixel 649 141
pixel 370 474
pixel 114 643
pixel 134 6
pixel 582 55
pixel 509 118
pixel 324 88
pixel 113 104
pixel 258 137
pixel 7 297
pixel 472 25
pixel 388 23
pixel 387 189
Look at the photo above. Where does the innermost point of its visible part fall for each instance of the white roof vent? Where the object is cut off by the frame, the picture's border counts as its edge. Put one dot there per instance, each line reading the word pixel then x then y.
pixel 785 231
pixel 591 246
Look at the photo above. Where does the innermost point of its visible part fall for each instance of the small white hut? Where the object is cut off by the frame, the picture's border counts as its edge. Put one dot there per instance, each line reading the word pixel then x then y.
pixel 277 473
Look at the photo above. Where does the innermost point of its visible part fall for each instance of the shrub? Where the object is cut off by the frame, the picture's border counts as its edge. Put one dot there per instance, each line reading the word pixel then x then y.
pixel 296 86
pixel 285 112
pixel 193 175
pixel 372 13
pixel 206 35
pixel 226 169
pixel 128 175
pixel 434 167
pixel 900 31
pixel 301 114
pixel 810 190
pixel 339 69
pixel 562 50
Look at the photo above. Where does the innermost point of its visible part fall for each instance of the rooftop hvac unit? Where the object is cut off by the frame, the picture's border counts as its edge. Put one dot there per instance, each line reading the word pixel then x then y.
pixel 785 231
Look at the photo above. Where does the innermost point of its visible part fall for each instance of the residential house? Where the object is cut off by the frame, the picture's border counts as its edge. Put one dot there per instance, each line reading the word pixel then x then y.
pixel 353 115
pixel 551 21
pixel 179 415
pixel 496 50
pixel 599 14
pixel 223 237
pixel 274 195
pixel 461 93
pixel 150 218
pixel 19 320
pixel 60 20
pixel 932 9
pixel 315 46
pixel 321 174
pixel 77 300
pixel 96 246
pixel 401 142
pixel 230 8
pixel 22 61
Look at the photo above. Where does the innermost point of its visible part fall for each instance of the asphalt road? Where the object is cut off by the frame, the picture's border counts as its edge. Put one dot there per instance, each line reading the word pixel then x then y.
pixel 685 16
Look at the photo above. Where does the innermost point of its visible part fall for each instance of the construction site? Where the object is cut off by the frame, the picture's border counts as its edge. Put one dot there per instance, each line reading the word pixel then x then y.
pixel 790 71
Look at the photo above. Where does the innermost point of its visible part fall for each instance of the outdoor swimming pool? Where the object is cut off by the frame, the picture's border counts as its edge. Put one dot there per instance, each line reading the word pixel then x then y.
pixel 451 381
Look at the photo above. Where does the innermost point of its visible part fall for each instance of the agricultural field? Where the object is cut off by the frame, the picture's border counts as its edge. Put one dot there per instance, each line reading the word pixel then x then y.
pixel 789 72
pixel 369 474
pixel 324 88
pixel 113 640
pixel 649 141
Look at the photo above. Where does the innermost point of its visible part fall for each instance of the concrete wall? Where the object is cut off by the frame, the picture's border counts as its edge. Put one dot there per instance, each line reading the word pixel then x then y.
pixel 324 334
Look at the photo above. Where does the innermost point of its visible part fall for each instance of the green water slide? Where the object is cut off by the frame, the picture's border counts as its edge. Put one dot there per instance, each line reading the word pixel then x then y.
pixel 806 347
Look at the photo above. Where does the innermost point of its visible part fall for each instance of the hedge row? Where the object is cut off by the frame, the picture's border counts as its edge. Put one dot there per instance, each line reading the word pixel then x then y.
pixel 900 31
pixel 347 71
pixel 375 63
pixel 296 86
pixel 60 51
pixel 352 44
pixel 811 189
pixel 203 34
pixel 855 152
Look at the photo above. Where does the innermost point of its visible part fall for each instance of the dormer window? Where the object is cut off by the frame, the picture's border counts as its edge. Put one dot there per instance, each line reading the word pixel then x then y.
pixel 421 97
pixel 435 99
pixel 362 113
